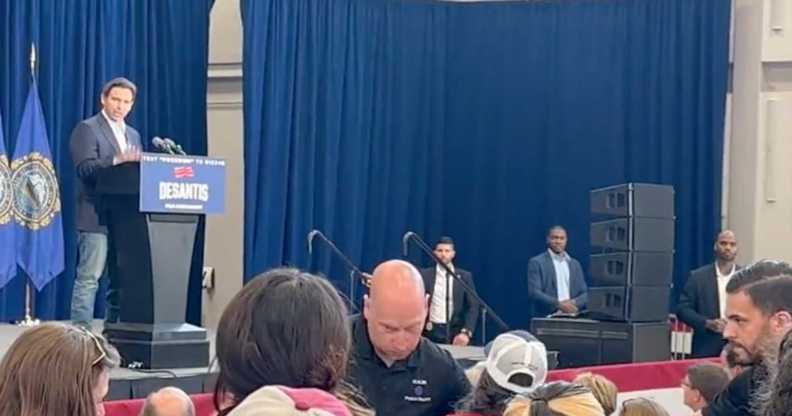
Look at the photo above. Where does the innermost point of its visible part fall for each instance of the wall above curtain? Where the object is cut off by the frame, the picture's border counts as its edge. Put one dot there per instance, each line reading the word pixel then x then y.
pixel 161 45
pixel 487 122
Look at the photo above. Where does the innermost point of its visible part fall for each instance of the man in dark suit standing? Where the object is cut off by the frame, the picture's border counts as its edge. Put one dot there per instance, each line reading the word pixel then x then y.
pixel 555 280
pixel 702 302
pixel 97 143
pixel 464 308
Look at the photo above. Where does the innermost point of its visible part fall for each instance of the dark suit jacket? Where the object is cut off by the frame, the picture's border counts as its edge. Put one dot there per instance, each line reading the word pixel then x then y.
pixel 542 287
pixel 466 308
pixel 92 146
pixel 697 303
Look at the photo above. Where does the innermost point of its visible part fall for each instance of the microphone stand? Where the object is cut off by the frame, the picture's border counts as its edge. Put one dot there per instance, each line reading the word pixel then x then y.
pixel 484 306
pixel 354 270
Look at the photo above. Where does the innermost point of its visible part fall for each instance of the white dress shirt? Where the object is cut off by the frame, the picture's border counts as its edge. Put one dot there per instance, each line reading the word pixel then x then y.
pixel 119 131
pixel 561 265
pixel 437 311
pixel 723 280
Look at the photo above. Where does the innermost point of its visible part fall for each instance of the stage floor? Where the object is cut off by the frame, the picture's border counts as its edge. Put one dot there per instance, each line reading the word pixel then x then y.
pixel 128 383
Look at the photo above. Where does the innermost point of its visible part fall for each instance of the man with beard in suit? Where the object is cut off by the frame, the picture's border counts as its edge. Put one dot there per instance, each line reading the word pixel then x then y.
pixel 464 308
pixel 702 303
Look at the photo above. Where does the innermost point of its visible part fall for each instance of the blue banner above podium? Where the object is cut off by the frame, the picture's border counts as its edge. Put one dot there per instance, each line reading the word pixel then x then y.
pixel 182 184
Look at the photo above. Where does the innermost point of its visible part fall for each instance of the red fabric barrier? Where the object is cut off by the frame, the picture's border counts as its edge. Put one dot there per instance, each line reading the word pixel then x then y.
pixel 636 376
pixel 203 406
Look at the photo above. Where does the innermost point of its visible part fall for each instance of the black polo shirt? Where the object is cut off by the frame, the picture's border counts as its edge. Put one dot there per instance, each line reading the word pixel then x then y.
pixel 429 382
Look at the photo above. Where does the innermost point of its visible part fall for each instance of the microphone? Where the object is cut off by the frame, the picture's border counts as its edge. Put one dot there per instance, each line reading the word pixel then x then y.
pixel 161 145
pixel 175 147
pixel 405 240
pixel 311 236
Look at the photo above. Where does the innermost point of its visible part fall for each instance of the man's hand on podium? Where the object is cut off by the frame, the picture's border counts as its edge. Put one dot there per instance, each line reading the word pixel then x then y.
pixel 567 306
pixel 131 154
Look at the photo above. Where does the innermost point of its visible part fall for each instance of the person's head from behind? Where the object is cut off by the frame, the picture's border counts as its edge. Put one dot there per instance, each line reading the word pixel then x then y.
pixel 395 310
pixel 702 382
pixel 642 407
pixel 758 310
pixel 559 398
pixel 56 369
pixel 168 401
pixel 603 389
pixel 285 327
pixel 516 364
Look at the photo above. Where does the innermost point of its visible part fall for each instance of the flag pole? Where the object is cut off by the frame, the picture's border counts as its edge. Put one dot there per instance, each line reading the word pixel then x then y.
pixel 30 320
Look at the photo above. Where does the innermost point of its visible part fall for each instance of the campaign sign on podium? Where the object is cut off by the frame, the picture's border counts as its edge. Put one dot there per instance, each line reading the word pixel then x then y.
pixel 182 184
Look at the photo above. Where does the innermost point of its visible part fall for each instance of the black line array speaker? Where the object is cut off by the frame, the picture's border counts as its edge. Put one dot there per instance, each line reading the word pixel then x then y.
pixel 585 342
pixel 645 268
pixel 633 200
pixel 629 303
pixel 634 233
pixel 631 265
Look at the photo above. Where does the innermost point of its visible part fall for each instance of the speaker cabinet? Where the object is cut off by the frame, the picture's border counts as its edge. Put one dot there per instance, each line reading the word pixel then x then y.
pixel 639 234
pixel 633 200
pixel 641 268
pixel 586 342
pixel 630 304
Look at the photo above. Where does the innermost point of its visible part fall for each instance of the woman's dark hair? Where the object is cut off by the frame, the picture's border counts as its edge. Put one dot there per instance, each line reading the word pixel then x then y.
pixel 285 327
pixel 486 397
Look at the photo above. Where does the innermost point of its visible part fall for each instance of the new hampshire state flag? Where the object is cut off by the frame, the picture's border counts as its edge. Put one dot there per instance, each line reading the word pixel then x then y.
pixel 7 248
pixel 36 202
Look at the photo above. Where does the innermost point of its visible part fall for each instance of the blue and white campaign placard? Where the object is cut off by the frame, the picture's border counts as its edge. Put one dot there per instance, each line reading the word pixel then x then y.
pixel 182 184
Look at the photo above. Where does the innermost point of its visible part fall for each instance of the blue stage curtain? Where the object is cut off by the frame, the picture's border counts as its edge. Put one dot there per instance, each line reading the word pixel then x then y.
pixel 161 45
pixel 485 121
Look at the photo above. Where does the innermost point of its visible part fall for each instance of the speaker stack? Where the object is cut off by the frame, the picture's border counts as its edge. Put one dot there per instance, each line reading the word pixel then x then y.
pixel 632 239
pixel 631 273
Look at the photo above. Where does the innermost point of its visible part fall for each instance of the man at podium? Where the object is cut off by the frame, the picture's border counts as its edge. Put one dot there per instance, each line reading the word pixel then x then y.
pixel 99 142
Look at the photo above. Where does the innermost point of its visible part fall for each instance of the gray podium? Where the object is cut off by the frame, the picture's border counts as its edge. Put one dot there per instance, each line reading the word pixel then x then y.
pixel 150 257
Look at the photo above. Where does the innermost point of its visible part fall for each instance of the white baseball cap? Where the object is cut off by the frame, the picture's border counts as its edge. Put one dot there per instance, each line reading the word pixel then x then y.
pixel 511 355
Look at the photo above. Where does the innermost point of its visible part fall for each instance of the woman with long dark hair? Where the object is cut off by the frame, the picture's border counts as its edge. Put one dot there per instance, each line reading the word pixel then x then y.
pixel 284 328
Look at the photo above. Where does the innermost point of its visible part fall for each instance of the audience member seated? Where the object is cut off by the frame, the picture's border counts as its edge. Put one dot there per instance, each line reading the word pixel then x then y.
pixel 515 364
pixel 642 407
pixel 559 398
pixel 779 401
pixel 168 401
pixel 55 370
pixel 284 328
pixel 758 305
pixel 284 401
pixel 702 383
pixel 603 390
pixel 399 372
